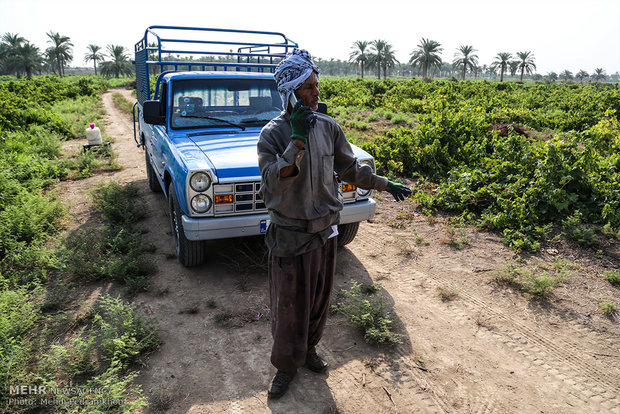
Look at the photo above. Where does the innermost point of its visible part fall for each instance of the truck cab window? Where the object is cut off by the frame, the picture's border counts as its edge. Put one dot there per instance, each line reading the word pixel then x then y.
pixel 214 103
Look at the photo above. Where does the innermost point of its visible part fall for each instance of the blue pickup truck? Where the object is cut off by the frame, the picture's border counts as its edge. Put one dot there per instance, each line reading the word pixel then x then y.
pixel 200 109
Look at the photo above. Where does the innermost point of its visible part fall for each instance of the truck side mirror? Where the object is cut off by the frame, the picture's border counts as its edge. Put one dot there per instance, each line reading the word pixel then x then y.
pixel 151 110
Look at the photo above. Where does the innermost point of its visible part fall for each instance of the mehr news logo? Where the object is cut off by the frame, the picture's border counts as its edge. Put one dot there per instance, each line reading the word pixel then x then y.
pixel 38 395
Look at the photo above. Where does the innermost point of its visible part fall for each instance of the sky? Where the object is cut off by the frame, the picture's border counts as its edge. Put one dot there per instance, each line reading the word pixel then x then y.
pixel 561 34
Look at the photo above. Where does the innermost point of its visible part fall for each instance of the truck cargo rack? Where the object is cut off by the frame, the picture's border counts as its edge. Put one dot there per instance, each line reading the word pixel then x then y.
pixel 174 48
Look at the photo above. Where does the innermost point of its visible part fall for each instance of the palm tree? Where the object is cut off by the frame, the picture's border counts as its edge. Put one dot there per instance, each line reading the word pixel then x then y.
pixel 598 75
pixel 513 65
pixel 119 65
pixel 359 56
pixel 9 53
pixel 502 60
pixel 426 55
pixel 94 55
pixel 376 57
pixel 526 63
pixel 566 76
pixel 60 49
pixel 581 75
pixel 465 58
pixel 552 76
pixel 30 59
pixel 388 59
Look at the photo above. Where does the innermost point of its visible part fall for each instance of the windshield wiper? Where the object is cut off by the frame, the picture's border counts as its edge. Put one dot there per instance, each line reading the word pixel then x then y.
pixel 254 121
pixel 214 119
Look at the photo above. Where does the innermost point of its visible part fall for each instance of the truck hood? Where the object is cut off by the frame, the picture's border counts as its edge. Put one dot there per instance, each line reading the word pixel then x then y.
pixel 232 155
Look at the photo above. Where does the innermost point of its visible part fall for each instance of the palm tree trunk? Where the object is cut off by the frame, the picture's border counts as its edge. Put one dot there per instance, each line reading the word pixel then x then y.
pixel 95 63
pixel 522 69
pixel 501 74
pixel 362 70
pixel 464 70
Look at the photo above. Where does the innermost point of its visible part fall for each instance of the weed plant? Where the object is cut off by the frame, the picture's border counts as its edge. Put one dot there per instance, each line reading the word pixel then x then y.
pixel 608 308
pixel 535 281
pixel 612 276
pixel 363 306
pixel 577 230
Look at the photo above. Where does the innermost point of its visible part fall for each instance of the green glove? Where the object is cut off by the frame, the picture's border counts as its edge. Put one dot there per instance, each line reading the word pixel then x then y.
pixel 399 191
pixel 301 121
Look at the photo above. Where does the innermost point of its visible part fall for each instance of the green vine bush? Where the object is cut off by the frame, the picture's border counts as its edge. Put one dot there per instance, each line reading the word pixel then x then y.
pixel 515 158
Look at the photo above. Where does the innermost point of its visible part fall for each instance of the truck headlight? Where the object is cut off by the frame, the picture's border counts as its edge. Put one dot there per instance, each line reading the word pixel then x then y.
pixel 201 203
pixel 200 182
pixel 371 163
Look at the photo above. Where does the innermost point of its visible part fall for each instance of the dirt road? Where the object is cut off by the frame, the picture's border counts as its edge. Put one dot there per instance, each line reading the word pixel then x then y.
pixel 482 348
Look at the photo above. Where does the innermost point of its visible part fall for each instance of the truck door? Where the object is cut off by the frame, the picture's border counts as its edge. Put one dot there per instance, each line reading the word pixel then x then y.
pixel 158 136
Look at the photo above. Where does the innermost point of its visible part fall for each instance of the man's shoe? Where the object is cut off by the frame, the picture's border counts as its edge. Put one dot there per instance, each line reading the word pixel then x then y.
pixel 280 383
pixel 315 363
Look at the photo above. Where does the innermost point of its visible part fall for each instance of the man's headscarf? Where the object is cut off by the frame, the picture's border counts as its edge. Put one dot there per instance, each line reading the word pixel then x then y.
pixel 292 72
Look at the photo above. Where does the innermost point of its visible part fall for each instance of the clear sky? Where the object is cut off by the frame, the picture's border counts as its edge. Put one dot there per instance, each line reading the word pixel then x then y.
pixel 562 34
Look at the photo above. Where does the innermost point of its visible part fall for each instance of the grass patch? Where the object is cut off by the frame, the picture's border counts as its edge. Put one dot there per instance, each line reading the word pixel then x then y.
pixel 94 160
pixel 612 276
pixel 447 294
pixel 363 306
pixel 122 103
pixel 577 230
pixel 191 309
pixel 535 281
pixel 455 234
pixel 79 113
pixel 97 354
pixel 115 250
pixel 608 308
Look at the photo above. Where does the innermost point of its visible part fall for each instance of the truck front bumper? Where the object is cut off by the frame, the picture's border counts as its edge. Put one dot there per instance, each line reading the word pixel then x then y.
pixel 241 226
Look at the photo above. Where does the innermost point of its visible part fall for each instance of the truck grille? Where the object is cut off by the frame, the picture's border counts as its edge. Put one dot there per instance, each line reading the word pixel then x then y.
pixel 244 198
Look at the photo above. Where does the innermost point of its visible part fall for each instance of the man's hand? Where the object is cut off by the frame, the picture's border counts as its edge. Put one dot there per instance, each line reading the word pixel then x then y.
pixel 302 119
pixel 399 191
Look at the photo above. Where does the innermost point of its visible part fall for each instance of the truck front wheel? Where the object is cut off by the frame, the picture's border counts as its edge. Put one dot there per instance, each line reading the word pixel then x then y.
pixel 189 252
pixel 346 233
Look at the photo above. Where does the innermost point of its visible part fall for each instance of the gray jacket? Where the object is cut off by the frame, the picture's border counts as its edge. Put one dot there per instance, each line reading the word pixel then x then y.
pixel 303 207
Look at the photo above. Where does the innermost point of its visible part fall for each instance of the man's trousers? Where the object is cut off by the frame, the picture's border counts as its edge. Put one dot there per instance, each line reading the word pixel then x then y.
pixel 300 291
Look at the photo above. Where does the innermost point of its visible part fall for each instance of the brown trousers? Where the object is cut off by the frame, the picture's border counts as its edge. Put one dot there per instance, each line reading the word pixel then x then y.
pixel 300 291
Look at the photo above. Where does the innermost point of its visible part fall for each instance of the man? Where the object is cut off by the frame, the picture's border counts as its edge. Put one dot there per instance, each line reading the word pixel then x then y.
pixel 298 153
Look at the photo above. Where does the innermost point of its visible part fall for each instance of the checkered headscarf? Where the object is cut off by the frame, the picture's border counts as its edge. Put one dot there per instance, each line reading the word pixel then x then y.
pixel 293 71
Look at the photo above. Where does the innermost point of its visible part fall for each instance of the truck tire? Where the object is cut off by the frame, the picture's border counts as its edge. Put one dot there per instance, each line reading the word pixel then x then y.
pixel 189 252
pixel 150 175
pixel 346 233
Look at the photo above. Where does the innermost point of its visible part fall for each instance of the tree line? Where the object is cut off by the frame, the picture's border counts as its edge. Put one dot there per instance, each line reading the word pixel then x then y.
pixel 426 61
pixel 19 57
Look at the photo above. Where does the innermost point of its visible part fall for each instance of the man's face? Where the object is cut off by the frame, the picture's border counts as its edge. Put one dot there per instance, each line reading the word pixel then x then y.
pixel 309 92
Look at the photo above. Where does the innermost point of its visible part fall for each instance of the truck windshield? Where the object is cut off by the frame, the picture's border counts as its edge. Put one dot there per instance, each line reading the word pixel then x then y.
pixel 217 103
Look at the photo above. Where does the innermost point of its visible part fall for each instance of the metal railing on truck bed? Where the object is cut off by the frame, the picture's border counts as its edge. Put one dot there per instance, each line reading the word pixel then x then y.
pixel 173 48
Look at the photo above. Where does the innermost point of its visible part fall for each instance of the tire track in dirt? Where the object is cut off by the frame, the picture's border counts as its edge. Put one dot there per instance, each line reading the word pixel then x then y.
pixel 439 398
pixel 555 358
pixel 586 379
